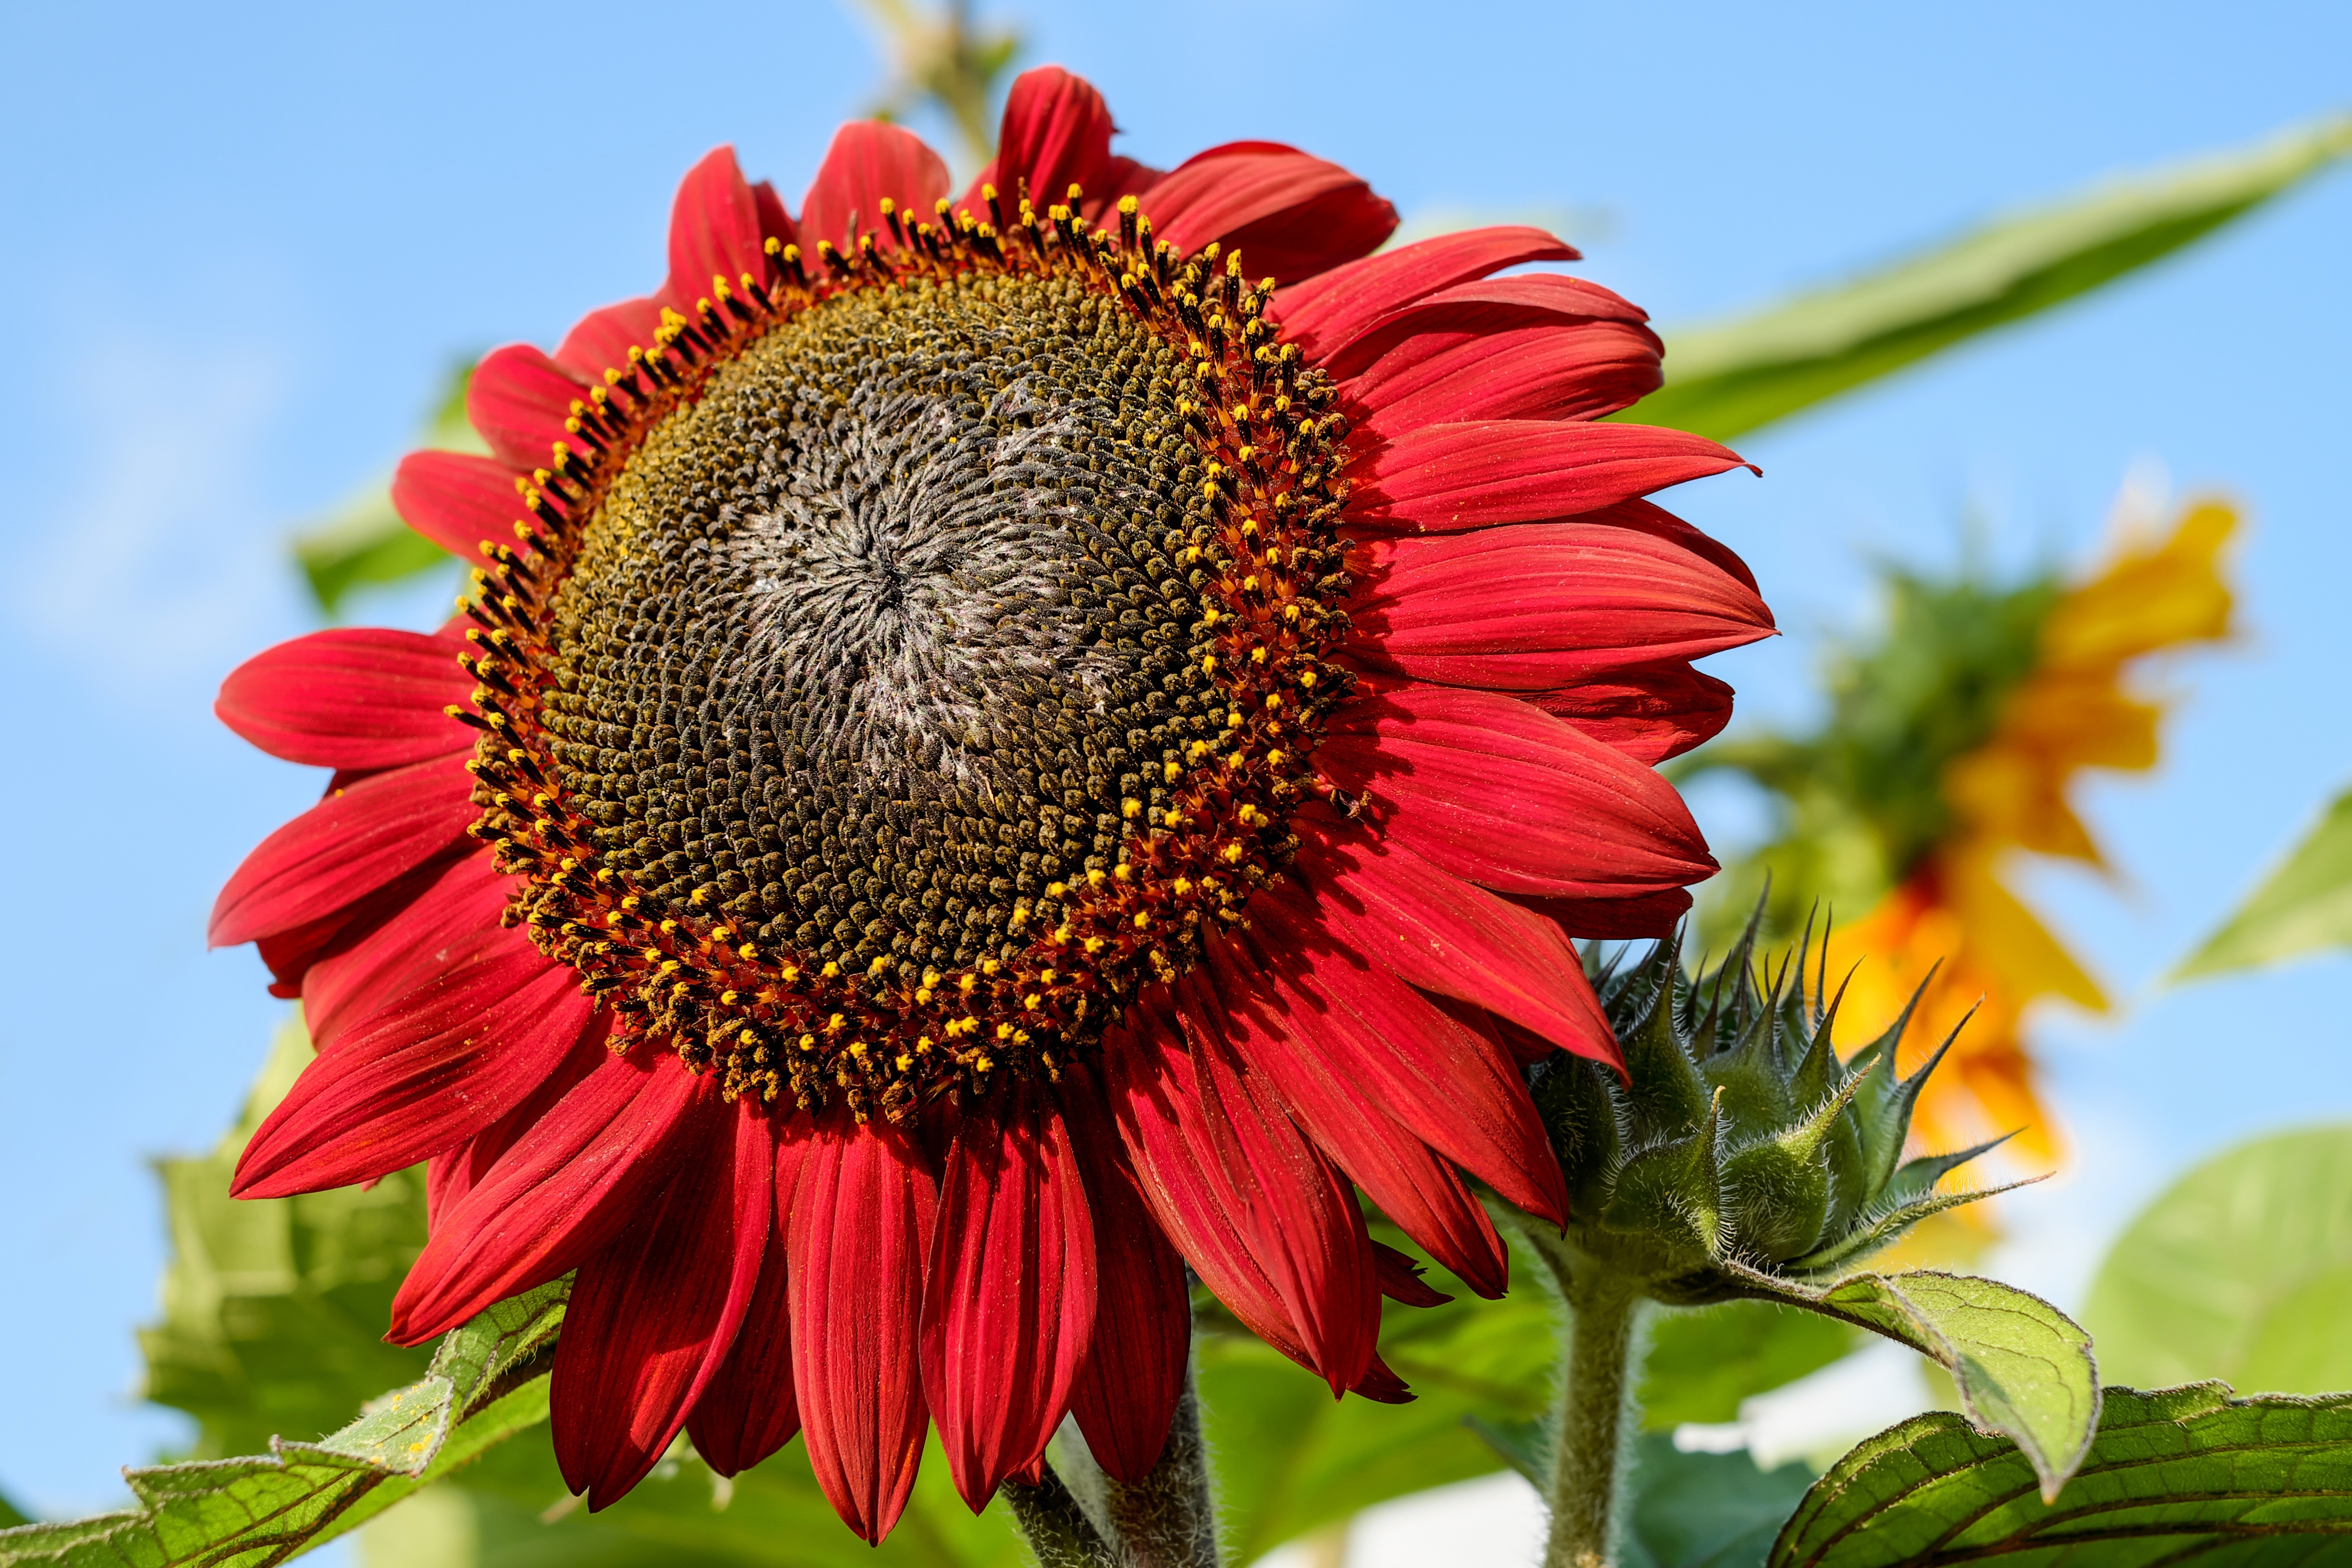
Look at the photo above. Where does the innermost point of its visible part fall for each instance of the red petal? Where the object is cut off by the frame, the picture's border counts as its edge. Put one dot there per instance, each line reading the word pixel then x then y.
pixel 1057 133
pixel 750 1411
pixel 652 1316
pixel 1127 1391
pixel 1444 935
pixel 1401 1279
pixel 449 1177
pixel 357 696
pixel 1153 1096
pixel 571 1183
pixel 519 401
pixel 446 917
pixel 714 231
pixel 292 954
pixel 867 162
pixel 603 338
pixel 420 1075
pixel 1504 795
pixel 1539 606
pixel 457 499
pixel 1274 1029
pixel 1009 1293
pixel 1456 1089
pixel 1289 215
pixel 1566 370
pixel 345 847
pixel 1480 306
pixel 861 1218
pixel 1446 478
pixel 1650 713
pixel 1298 1216
pixel 1644 916
pixel 1326 313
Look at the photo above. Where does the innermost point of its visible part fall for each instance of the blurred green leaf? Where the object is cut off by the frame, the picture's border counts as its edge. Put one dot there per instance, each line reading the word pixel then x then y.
pixel 1861 798
pixel 1702 1364
pixel 1725 379
pixel 512 1510
pixel 1681 1510
pixel 2184 1474
pixel 363 542
pixel 1705 1510
pixel 274 1310
pixel 2022 1366
pixel 11 1515
pixel 1290 1457
pixel 2305 904
pixel 2241 1271
pixel 484 1384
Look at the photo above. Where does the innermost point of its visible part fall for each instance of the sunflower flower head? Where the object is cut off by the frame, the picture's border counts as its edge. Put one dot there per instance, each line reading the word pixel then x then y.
pixel 1954 744
pixel 1001 746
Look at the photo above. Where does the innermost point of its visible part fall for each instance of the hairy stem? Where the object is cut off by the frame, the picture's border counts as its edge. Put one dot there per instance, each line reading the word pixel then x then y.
pixel 1056 1527
pixel 1169 1520
pixel 1595 1399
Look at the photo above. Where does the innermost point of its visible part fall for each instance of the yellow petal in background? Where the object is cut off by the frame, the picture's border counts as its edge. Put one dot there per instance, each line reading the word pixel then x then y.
pixel 1951 925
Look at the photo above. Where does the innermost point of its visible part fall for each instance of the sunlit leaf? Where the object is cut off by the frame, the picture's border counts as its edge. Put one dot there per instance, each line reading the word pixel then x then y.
pixel 2022 1367
pixel 2181 1475
pixel 274 1310
pixel 2304 905
pixel 362 543
pixel 2240 1271
pixel 484 1384
pixel 1725 379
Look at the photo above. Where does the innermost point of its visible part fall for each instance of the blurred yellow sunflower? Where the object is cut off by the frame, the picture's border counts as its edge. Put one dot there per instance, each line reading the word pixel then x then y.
pixel 1953 742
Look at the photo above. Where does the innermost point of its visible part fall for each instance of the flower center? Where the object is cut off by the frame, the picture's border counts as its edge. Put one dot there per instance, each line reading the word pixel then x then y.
pixel 875 639
pixel 923 659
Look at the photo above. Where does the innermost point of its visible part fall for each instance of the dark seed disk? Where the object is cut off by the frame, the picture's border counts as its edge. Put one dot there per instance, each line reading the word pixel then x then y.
pixel 878 637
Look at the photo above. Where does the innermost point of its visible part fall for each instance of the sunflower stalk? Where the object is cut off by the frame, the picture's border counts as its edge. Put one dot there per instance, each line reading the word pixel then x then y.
pixel 1601 1344
pixel 1081 1517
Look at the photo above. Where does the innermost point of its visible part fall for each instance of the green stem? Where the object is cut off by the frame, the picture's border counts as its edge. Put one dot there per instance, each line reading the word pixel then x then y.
pixel 1171 1520
pixel 1595 1400
pixel 1056 1527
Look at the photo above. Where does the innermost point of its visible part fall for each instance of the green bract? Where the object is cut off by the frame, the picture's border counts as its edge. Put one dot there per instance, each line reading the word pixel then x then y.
pixel 1738 1143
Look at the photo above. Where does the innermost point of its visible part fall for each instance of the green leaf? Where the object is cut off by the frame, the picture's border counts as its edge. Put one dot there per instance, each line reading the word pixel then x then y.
pixel 513 1510
pixel 1681 1510
pixel 363 542
pixel 261 1510
pixel 2183 1475
pixel 1725 379
pixel 2022 1366
pixel 1703 1510
pixel 1702 1362
pixel 274 1310
pixel 2303 905
pixel 2240 1271
pixel 11 1515
pixel 1290 1457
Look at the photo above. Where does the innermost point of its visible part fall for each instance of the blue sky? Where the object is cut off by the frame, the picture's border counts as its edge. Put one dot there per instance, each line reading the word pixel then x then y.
pixel 246 241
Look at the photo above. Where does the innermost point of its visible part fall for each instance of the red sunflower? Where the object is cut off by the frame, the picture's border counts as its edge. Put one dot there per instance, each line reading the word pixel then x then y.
pixel 993 756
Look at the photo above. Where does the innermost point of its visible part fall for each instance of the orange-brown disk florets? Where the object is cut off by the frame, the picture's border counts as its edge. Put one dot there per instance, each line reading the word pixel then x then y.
pixel 993 915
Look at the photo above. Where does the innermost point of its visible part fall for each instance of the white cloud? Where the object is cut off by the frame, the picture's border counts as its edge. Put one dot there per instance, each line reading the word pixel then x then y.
pixel 158 563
